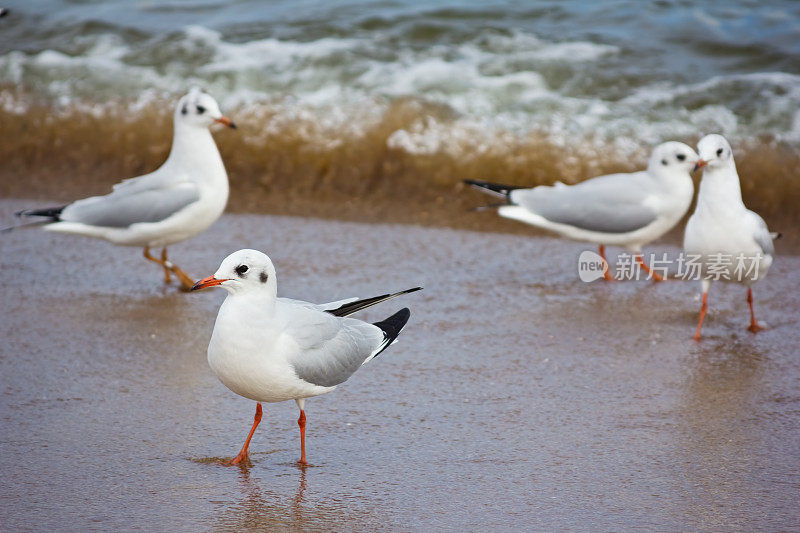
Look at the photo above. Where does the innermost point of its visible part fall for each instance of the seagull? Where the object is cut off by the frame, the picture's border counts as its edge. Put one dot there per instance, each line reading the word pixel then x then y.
pixel 730 242
pixel 271 349
pixel 628 210
pixel 180 199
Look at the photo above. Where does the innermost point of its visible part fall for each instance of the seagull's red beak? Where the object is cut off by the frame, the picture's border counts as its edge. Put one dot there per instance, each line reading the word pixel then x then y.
pixel 225 121
pixel 700 164
pixel 210 281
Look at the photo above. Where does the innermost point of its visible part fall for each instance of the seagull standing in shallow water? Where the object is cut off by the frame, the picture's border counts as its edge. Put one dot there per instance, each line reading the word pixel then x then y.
pixel 730 240
pixel 271 349
pixel 180 199
pixel 627 210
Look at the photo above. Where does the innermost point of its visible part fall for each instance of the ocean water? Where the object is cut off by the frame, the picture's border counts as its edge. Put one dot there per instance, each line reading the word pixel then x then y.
pixel 622 74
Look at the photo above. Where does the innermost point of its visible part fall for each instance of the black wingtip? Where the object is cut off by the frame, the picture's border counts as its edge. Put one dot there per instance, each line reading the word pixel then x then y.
pixel 358 305
pixel 51 212
pixel 498 189
pixel 392 327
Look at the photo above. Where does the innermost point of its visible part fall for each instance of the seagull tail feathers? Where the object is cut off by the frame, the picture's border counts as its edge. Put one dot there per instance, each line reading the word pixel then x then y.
pixel 32 224
pixel 51 214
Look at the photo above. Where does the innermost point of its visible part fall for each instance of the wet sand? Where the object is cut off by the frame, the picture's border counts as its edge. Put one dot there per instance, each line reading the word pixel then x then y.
pixel 517 397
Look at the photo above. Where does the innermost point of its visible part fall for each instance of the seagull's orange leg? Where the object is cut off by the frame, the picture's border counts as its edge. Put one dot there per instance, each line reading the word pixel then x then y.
pixel 302 423
pixel 162 261
pixel 607 271
pixel 243 453
pixel 183 276
pixel 654 275
pixel 702 315
pixel 754 327
pixel 167 278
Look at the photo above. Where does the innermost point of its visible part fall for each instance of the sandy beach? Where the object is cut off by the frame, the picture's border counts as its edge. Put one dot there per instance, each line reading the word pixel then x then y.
pixel 517 397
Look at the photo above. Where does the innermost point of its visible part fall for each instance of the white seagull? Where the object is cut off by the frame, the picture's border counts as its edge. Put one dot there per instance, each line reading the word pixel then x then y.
pixel 180 199
pixel 729 241
pixel 271 349
pixel 628 210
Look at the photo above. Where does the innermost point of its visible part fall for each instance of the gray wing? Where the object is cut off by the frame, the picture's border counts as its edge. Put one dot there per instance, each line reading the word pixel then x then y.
pixel 321 307
pixel 608 204
pixel 330 349
pixel 349 306
pixel 127 206
pixel 762 235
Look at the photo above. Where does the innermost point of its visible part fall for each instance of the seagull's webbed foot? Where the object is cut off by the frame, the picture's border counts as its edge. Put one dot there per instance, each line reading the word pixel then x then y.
pixel 236 460
pixel 754 327
pixel 169 266
pixel 301 422
pixel 242 456
pixel 186 281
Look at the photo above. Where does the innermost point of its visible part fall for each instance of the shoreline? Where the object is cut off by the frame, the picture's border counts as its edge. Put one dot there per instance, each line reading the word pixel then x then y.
pixel 357 178
pixel 430 215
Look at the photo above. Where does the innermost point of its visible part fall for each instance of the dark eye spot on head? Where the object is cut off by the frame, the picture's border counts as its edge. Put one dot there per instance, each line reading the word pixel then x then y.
pixel 241 269
pixel 184 110
pixel 263 277
pixel 200 110
pixel 719 152
pixel 681 157
pixel 664 162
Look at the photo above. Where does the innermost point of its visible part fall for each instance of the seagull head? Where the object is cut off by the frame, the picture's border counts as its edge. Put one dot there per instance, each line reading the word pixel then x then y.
pixel 245 271
pixel 672 157
pixel 714 151
pixel 198 108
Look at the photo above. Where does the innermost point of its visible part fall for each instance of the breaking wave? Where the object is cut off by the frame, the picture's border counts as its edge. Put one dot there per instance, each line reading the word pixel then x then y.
pixel 398 103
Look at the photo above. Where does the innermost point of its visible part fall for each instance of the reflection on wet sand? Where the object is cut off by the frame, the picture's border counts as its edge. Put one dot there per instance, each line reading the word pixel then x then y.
pixel 261 509
pixel 719 435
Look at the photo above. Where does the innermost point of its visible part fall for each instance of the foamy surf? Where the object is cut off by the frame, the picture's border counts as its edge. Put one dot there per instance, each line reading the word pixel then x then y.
pixel 492 75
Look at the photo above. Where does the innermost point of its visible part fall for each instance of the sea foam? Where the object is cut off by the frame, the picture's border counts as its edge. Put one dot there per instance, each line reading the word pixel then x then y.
pixel 492 84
